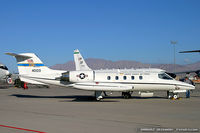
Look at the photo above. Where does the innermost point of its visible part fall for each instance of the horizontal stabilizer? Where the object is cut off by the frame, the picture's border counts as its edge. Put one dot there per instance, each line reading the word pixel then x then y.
pixel 18 55
pixel 31 81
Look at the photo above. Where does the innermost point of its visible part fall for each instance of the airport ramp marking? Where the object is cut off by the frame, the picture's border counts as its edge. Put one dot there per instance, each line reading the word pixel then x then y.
pixel 22 129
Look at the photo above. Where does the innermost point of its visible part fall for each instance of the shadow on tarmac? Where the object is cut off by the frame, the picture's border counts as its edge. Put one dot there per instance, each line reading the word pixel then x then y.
pixel 73 98
pixel 81 98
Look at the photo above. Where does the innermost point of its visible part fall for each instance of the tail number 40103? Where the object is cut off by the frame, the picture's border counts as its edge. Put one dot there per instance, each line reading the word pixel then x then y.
pixel 36 70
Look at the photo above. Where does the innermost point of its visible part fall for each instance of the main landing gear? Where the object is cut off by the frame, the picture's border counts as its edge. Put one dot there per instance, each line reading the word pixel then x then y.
pixel 126 95
pixel 98 95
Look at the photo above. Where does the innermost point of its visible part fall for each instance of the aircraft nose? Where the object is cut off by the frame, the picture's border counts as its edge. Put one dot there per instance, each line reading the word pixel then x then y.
pixel 188 86
pixel 7 73
pixel 193 87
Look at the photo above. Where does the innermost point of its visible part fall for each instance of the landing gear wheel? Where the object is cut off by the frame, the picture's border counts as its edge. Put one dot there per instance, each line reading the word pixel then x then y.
pixel 98 95
pixel 99 98
pixel 126 95
pixel 175 96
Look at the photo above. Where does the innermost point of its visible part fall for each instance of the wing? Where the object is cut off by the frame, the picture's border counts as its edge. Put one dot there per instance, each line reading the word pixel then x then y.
pixel 96 86
pixel 193 51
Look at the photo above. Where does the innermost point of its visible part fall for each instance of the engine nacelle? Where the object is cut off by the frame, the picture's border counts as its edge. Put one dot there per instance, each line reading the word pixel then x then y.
pixel 81 76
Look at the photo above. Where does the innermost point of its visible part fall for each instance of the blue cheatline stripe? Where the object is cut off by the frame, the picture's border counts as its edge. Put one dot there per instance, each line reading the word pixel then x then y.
pixel 36 65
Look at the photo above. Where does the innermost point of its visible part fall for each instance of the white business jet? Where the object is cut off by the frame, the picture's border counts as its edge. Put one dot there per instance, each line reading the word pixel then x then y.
pixel 32 70
pixel 143 80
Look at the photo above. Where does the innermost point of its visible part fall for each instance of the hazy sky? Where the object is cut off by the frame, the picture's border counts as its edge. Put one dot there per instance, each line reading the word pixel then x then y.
pixel 138 30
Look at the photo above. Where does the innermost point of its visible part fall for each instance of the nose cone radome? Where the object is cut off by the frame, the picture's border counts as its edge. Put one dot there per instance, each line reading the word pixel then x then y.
pixel 186 86
pixel 7 73
pixel 192 87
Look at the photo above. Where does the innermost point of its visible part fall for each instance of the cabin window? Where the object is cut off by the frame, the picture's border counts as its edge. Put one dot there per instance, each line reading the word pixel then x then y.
pixel 164 76
pixel 117 77
pixel 140 77
pixel 132 77
pixel 108 78
pixel 124 77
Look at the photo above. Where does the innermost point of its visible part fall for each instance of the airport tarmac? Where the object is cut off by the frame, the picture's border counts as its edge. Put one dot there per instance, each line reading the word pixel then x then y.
pixel 67 110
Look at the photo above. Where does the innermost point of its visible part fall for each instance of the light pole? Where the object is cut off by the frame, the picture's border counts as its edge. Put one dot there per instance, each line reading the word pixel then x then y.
pixel 174 43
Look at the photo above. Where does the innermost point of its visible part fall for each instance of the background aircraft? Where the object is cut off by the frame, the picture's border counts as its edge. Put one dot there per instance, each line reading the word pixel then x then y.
pixel 196 78
pixel 5 75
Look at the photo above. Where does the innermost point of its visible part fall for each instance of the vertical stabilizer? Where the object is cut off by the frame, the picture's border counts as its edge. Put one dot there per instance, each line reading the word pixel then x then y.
pixel 29 64
pixel 32 70
pixel 79 61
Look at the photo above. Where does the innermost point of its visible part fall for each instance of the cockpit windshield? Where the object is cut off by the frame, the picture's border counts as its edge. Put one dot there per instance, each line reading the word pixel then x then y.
pixel 3 67
pixel 164 76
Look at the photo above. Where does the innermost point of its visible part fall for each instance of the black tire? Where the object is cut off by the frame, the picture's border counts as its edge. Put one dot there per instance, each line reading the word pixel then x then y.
pixel 126 95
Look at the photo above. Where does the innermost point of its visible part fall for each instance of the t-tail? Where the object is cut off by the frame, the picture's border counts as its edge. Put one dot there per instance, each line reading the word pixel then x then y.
pixel 79 61
pixel 30 68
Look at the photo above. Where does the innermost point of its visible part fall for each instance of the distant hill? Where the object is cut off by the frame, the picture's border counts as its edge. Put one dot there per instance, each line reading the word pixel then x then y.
pixel 107 64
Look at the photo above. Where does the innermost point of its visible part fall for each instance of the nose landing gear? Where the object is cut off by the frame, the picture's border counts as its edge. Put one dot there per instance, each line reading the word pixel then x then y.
pixel 173 96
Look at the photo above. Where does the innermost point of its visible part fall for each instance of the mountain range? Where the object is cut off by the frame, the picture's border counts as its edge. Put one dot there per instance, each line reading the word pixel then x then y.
pixel 96 64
